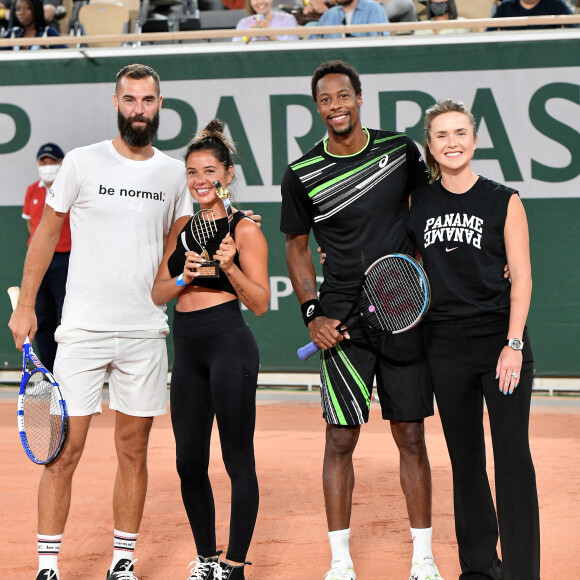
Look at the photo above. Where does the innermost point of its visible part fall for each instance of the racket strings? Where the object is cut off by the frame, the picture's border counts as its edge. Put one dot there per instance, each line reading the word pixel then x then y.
pixel 393 296
pixel 42 415
pixel 203 226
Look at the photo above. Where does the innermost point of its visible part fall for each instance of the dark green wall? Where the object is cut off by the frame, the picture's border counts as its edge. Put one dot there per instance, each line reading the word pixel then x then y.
pixel 554 320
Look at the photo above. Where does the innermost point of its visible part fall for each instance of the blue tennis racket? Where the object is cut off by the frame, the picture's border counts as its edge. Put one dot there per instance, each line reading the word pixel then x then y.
pixel 393 296
pixel 42 414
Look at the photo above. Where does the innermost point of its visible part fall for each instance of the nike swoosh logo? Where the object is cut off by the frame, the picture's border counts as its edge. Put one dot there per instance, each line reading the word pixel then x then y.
pixel 451 249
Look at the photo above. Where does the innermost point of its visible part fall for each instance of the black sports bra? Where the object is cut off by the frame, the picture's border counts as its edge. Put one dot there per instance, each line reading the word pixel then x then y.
pixel 187 243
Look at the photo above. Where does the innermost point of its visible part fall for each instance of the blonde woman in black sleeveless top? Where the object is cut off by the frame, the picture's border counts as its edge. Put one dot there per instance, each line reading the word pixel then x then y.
pixel 466 228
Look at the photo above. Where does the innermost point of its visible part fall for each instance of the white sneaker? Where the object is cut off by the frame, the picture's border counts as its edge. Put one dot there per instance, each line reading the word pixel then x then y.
pixel 204 568
pixel 425 571
pixel 340 573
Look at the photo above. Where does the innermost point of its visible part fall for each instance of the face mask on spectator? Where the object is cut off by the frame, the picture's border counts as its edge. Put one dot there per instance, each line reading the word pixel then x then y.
pixel 439 8
pixel 48 172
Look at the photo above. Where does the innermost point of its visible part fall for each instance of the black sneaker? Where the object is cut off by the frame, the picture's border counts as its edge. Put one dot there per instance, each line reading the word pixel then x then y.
pixel 204 568
pixel 230 572
pixel 122 571
pixel 47 575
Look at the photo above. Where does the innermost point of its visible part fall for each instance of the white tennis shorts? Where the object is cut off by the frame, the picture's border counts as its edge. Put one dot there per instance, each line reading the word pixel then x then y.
pixel 136 364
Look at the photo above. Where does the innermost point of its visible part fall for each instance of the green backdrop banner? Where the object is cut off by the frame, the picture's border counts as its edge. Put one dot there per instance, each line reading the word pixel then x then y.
pixel 523 89
pixel 554 321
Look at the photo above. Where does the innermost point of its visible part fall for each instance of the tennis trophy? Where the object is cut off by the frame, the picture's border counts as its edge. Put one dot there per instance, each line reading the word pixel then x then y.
pixel 204 230
pixel 224 194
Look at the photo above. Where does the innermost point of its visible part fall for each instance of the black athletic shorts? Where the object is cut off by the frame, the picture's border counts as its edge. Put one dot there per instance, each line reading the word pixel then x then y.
pixel 399 363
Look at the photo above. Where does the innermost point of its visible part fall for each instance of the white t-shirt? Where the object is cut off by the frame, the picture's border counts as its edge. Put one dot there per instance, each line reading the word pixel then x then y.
pixel 120 212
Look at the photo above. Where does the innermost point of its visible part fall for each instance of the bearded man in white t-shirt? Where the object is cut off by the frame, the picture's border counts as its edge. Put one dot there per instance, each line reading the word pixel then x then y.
pixel 123 196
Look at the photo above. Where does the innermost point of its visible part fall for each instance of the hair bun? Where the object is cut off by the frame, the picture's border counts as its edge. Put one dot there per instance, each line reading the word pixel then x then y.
pixel 214 129
pixel 213 138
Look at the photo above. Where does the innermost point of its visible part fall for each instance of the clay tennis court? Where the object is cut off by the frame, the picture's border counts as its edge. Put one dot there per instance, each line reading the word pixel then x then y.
pixel 290 542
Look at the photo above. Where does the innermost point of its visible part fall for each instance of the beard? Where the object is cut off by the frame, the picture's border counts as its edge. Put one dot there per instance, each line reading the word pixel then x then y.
pixel 137 137
pixel 342 130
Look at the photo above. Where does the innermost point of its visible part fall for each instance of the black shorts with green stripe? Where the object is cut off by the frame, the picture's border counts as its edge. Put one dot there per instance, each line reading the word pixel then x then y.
pixel 398 363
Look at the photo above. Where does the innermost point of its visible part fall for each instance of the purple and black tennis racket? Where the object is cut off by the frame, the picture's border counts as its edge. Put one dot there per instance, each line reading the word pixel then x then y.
pixel 393 296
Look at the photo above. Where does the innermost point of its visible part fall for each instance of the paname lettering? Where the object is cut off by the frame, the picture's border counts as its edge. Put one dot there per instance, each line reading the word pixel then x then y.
pixel 454 227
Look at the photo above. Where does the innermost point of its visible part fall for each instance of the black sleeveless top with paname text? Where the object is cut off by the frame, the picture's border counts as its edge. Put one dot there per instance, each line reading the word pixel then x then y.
pixel 461 240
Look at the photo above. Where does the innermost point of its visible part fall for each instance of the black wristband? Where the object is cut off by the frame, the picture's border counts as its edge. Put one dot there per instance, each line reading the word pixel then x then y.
pixel 311 309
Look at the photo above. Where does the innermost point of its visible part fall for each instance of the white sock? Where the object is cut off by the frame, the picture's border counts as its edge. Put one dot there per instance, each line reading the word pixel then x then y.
pixel 48 549
pixel 422 545
pixel 124 546
pixel 339 547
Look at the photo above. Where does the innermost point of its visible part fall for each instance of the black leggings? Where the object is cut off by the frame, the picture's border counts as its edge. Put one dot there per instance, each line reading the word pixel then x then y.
pixel 462 359
pixel 215 372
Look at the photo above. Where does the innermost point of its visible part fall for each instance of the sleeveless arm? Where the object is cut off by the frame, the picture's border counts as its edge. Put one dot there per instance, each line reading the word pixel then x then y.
pixel 518 256
pixel 249 280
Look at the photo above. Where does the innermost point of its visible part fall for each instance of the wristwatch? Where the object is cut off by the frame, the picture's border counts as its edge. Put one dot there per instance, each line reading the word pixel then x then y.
pixel 515 343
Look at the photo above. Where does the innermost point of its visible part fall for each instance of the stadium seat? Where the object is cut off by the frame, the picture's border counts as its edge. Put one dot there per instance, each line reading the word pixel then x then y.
pixel 475 8
pixel 167 16
pixel 220 19
pixel 103 18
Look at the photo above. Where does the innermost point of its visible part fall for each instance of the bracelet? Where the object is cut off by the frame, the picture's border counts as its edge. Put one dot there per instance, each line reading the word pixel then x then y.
pixel 180 281
pixel 25 305
pixel 311 309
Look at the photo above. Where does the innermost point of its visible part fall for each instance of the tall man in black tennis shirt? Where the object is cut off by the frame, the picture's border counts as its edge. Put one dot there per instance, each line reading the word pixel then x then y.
pixel 352 191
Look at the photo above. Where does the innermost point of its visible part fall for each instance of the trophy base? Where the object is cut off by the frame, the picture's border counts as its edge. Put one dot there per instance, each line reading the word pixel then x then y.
pixel 209 269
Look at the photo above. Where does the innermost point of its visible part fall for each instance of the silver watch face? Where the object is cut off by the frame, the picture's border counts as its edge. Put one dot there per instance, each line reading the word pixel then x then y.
pixel 516 343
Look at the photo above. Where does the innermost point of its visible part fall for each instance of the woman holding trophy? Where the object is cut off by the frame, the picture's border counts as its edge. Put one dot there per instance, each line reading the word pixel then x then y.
pixel 212 260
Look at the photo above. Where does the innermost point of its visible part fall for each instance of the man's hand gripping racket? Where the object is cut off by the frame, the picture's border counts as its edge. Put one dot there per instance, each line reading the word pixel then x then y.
pixel 42 413
pixel 393 296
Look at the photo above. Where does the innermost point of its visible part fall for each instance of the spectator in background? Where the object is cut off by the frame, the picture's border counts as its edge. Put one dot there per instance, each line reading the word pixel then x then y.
pixel 572 4
pixel 438 10
pixel 348 12
pixel 262 16
pixel 50 297
pixel 28 21
pixel 515 8
pixel 397 10
pixel 53 11
pixel 317 7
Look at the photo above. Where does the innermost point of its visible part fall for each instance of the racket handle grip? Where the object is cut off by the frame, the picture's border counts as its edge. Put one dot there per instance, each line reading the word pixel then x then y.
pixel 13 292
pixel 307 350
